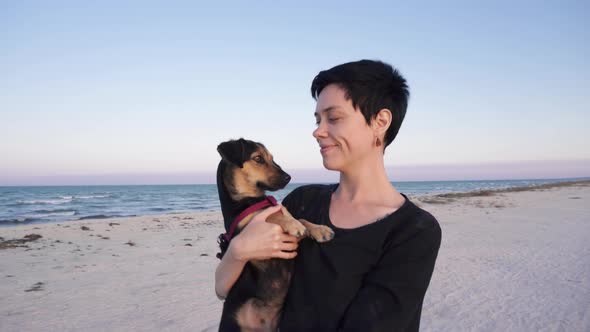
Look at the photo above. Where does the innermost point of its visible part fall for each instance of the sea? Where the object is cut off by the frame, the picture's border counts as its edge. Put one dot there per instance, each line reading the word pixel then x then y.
pixel 50 204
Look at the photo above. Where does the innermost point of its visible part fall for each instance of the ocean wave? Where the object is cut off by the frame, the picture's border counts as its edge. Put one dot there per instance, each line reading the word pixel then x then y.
pixel 61 200
pixel 92 196
pixel 159 209
pixel 50 214
pixel 95 216
pixel 45 201
pixel 105 216
pixel 55 211
pixel 17 221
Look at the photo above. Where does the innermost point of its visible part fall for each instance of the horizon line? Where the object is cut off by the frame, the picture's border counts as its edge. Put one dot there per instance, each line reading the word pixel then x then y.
pixel 293 183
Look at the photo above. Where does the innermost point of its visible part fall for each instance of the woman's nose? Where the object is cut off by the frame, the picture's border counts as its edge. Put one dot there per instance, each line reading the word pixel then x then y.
pixel 320 131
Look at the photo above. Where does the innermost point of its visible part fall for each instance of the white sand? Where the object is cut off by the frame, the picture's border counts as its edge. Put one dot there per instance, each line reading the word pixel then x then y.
pixel 521 267
pixel 516 261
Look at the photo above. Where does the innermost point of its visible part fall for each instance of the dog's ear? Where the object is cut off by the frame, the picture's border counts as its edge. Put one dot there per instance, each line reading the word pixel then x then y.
pixel 235 151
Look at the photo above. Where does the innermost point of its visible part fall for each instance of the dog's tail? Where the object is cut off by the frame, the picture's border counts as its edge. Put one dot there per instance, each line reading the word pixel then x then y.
pixel 223 244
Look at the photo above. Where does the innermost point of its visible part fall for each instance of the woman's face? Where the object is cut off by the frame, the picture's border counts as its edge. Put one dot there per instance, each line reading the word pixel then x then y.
pixel 343 134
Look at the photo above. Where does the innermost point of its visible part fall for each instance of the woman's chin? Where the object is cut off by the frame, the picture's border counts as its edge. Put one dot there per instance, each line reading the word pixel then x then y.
pixel 331 165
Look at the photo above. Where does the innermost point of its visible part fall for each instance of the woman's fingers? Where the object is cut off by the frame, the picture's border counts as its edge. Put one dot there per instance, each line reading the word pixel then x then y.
pixel 285 254
pixel 261 240
pixel 288 238
pixel 289 246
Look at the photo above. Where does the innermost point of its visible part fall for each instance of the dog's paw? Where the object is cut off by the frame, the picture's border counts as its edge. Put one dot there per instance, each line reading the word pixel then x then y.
pixel 295 228
pixel 321 233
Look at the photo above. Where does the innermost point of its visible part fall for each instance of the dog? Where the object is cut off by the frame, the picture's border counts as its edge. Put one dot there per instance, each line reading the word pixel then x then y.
pixel 245 172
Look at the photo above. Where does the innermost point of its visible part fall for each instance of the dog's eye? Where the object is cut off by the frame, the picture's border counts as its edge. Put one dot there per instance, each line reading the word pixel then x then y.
pixel 259 159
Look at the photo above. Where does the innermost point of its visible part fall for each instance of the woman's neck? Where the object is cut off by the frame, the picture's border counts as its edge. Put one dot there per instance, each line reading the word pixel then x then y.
pixel 366 183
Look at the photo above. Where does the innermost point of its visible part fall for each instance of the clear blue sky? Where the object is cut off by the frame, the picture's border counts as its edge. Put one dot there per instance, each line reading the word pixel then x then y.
pixel 115 89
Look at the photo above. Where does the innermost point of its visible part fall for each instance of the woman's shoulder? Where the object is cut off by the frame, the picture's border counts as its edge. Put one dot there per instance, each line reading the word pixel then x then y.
pixel 415 225
pixel 306 196
pixel 423 220
pixel 309 191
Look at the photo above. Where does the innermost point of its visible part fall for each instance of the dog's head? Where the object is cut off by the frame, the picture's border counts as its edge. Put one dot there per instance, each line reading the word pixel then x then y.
pixel 251 169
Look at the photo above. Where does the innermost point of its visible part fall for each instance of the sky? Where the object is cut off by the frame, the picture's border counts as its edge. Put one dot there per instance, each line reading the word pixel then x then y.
pixel 117 92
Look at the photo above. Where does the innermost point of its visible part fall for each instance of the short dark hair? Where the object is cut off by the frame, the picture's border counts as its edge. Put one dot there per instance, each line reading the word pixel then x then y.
pixel 372 86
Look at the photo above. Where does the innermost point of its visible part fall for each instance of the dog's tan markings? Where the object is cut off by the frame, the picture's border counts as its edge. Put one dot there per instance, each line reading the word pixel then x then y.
pixel 236 184
pixel 320 233
pixel 246 179
pixel 243 184
pixel 272 173
pixel 289 224
pixel 255 316
pixel 245 221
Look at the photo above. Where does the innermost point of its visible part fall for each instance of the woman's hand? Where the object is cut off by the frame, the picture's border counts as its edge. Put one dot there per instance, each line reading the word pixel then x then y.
pixel 258 240
pixel 262 240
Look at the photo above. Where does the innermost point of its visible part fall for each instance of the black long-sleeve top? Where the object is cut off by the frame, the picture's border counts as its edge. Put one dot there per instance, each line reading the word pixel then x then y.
pixel 370 278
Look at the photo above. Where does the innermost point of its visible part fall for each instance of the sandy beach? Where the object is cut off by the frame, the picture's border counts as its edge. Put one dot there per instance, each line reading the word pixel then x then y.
pixel 510 260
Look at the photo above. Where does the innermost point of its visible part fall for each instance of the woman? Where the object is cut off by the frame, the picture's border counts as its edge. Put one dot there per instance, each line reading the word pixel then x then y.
pixel 374 274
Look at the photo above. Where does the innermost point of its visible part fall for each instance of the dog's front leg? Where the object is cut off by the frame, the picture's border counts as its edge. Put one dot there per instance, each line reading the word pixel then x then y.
pixel 289 224
pixel 320 233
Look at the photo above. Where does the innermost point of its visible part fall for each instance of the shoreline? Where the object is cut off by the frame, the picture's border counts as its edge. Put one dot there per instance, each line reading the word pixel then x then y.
pixel 445 198
pixel 432 198
pixel 504 257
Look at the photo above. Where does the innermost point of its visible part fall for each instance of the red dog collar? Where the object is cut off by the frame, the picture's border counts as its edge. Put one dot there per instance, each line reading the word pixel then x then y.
pixel 268 201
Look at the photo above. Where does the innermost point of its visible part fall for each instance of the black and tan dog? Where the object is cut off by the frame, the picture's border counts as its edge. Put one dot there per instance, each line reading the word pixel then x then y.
pixel 245 172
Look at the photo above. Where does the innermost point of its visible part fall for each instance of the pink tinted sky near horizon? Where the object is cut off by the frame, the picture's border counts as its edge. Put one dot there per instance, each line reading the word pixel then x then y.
pixel 492 171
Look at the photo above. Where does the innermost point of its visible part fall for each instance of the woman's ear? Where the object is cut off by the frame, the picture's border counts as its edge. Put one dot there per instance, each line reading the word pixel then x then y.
pixel 381 122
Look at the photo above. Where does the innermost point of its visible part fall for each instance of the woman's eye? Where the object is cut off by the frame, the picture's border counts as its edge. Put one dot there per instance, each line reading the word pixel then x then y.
pixel 317 122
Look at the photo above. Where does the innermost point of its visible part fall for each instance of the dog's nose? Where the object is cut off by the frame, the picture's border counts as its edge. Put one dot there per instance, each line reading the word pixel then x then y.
pixel 286 177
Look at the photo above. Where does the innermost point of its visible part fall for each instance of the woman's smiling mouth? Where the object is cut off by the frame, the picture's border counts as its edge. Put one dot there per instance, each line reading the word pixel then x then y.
pixel 324 148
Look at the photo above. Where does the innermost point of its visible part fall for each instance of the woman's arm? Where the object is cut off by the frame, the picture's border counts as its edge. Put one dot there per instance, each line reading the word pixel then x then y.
pixel 227 272
pixel 258 240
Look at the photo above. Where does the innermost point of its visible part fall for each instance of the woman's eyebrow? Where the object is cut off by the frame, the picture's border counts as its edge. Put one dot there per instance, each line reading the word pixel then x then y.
pixel 327 109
